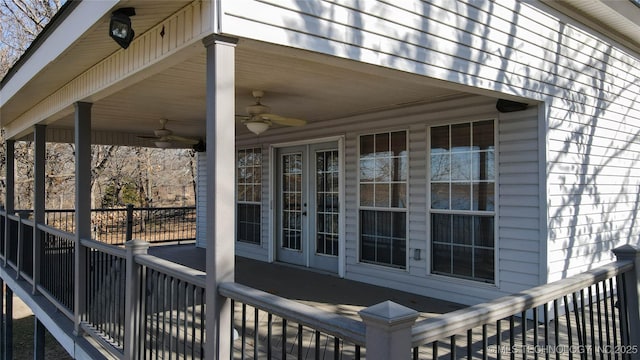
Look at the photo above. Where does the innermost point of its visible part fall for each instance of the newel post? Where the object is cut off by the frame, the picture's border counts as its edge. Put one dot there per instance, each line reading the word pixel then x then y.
pixel 132 294
pixel 388 330
pixel 632 285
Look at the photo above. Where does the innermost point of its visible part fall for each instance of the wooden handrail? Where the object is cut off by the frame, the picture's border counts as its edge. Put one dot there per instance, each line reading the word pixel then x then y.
pixel 180 272
pixel 457 322
pixel 343 327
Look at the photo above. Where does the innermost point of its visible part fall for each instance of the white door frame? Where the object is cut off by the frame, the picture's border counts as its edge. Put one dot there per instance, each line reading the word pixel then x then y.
pixel 273 192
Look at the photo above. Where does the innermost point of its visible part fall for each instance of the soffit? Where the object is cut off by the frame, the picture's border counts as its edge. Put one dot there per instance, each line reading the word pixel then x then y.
pixel 619 18
pixel 91 48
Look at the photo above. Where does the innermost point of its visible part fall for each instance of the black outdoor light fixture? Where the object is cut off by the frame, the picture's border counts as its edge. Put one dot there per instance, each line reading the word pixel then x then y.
pixel 120 26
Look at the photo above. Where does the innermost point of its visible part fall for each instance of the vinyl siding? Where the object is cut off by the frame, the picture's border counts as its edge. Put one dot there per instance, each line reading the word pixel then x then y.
pixel 588 83
pixel 518 231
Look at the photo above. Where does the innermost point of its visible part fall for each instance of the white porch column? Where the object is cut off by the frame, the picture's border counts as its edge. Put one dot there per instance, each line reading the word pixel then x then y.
pixel 220 213
pixel 6 352
pixel 40 134
pixel 10 184
pixel 83 206
pixel 38 197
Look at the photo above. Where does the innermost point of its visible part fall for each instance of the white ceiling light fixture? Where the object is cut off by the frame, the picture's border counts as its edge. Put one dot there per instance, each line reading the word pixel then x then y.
pixel 258 127
pixel 259 117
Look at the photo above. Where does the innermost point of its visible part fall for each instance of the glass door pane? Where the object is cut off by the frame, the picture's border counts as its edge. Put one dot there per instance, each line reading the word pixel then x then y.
pixel 327 202
pixel 291 201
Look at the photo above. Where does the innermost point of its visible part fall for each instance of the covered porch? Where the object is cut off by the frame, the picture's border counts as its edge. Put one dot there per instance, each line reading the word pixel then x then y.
pixel 372 114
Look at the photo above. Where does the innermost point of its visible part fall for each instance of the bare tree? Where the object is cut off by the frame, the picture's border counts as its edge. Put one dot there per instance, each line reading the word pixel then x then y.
pixel 20 23
pixel 161 176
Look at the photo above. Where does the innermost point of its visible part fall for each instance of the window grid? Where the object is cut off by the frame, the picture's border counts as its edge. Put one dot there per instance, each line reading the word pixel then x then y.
pixel 292 201
pixel 327 198
pixel 249 193
pixel 462 180
pixel 383 166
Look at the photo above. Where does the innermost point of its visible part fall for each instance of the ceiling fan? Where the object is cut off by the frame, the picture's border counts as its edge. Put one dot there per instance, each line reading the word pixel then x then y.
pixel 259 117
pixel 164 138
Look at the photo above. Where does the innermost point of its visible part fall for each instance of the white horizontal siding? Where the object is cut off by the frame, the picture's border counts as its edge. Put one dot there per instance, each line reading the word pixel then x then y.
pixel 518 231
pixel 519 225
pixel 588 82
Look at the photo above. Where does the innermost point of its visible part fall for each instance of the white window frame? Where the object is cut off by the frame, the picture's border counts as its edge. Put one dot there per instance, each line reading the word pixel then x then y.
pixel 405 209
pixel 494 213
pixel 258 203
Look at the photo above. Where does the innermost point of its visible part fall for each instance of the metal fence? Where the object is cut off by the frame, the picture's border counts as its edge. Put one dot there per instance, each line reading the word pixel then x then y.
pixel 119 225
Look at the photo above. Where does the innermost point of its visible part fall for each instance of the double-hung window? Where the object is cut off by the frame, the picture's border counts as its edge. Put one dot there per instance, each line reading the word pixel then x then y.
pixel 462 204
pixel 249 191
pixel 383 198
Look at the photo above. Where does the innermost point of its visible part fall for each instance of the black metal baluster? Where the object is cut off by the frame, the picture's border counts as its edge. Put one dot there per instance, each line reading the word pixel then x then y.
pixel 498 340
pixel 485 342
pixel 299 341
pixel 284 338
pixel 269 333
pixel 243 331
pixel 256 316
pixel 599 314
pixel 591 323
pixel 613 317
pixel 524 334
pixel 568 317
pixel 512 340
pixel 452 349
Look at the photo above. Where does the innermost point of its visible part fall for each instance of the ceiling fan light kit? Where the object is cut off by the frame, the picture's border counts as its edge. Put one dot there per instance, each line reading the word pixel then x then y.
pixel 162 144
pixel 260 118
pixel 258 127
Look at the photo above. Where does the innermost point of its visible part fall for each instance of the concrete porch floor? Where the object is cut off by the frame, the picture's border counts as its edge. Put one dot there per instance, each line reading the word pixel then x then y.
pixel 329 292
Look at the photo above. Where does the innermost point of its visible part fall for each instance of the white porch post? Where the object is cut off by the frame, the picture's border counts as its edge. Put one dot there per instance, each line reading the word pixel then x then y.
pixel 40 134
pixel 7 303
pixel 83 206
pixel 38 197
pixel 220 213
pixel 10 190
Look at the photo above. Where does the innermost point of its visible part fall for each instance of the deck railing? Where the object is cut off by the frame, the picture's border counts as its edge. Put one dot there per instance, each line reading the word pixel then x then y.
pixel 592 315
pixel 583 316
pixel 270 326
pixel 119 225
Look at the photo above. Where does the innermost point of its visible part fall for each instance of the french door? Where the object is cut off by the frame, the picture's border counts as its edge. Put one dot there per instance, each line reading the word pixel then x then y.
pixel 308 205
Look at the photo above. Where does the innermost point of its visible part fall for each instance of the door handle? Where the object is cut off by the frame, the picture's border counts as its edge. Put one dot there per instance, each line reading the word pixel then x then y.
pixel 304 213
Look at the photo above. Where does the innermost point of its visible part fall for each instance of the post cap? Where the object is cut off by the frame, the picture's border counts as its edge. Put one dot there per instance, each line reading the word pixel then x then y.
pixel 388 313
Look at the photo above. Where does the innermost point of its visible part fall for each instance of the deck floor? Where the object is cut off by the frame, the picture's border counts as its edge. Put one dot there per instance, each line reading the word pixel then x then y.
pixel 340 296
pixel 284 340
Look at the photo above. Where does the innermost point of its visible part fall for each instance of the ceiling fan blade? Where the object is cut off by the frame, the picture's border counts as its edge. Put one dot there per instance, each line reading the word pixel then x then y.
pixel 281 120
pixel 182 139
pixel 148 137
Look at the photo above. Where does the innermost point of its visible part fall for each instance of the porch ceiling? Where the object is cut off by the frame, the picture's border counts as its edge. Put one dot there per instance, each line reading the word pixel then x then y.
pixel 296 84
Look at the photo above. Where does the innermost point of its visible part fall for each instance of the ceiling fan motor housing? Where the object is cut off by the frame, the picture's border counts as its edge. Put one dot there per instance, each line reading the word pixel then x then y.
pixel 257 109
